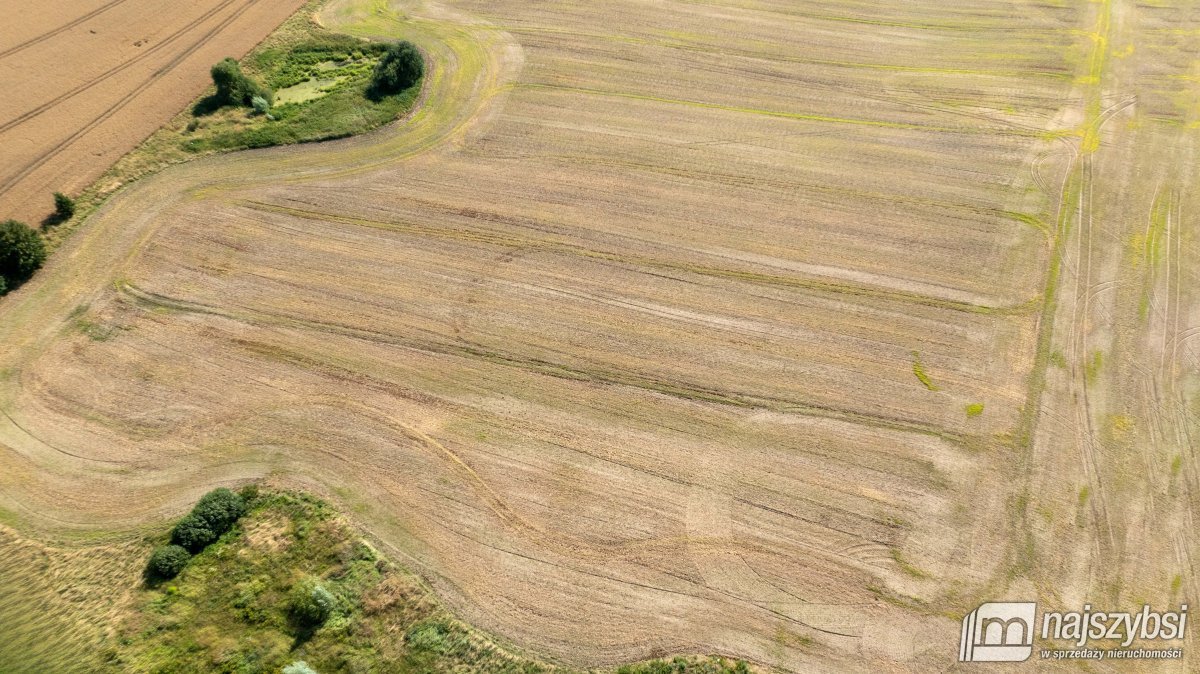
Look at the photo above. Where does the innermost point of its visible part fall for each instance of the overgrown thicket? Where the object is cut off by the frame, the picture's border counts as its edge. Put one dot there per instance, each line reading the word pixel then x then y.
pixel 324 85
pixel 213 515
pixel 22 252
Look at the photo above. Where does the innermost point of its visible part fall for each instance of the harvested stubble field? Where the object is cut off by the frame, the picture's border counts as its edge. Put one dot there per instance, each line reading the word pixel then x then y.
pixel 654 328
pixel 87 80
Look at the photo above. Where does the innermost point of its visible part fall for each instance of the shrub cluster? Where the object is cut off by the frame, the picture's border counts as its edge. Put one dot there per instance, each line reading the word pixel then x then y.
pixel 213 515
pixel 233 87
pixel 193 533
pixel 399 69
pixel 22 252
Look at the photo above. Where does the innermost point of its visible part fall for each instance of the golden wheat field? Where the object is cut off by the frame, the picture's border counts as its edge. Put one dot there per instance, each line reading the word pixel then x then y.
pixel 785 331
pixel 87 81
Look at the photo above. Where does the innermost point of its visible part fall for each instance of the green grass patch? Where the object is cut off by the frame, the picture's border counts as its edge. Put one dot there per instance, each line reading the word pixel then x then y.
pixel 919 370
pixel 974 409
pixel 906 566
pixel 687 666
pixel 1153 241
pixel 1092 366
pixel 308 90
pixel 288 64
pixel 97 332
pixel 1058 359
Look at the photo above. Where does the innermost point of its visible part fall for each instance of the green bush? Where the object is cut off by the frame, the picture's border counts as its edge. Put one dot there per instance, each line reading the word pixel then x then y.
pixel 399 69
pixel 166 562
pixel 233 87
pixel 220 508
pixel 22 252
pixel 193 533
pixel 299 667
pixel 64 207
pixel 311 604
pixel 260 105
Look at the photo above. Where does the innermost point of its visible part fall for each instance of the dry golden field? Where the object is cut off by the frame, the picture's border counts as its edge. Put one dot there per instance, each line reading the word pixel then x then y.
pixel 664 327
pixel 87 80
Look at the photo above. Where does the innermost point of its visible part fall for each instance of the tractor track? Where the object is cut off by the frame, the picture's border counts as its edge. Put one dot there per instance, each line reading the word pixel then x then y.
pixel 32 165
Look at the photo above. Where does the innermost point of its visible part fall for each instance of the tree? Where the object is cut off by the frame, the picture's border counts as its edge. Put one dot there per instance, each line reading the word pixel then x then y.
pixel 193 532
pixel 311 603
pixel 220 508
pixel 64 207
pixel 399 69
pixel 231 83
pixel 166 562
pixel 22 252
pixel 233 87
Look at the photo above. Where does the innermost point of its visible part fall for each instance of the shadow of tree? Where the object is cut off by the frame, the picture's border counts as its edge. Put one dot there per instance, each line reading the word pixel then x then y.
pixel 207 105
